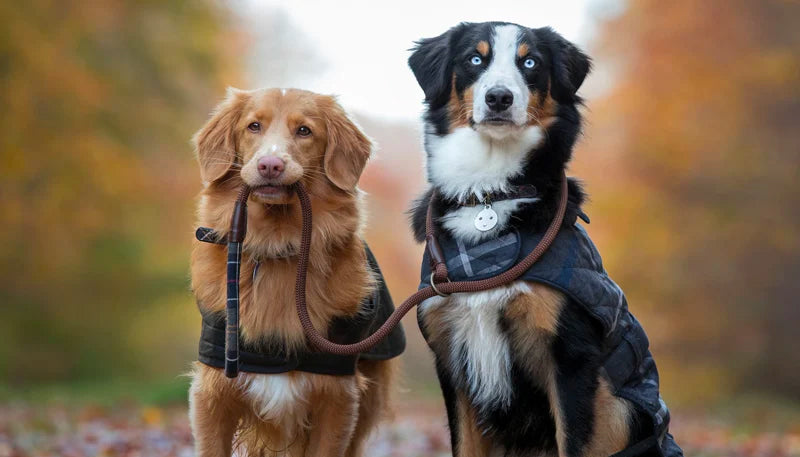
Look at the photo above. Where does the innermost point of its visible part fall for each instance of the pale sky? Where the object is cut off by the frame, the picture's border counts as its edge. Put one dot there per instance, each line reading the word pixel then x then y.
pixel 360 47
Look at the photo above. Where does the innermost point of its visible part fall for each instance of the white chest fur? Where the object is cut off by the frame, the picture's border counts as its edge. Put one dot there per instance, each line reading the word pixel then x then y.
pixel 466 162
pixel 479 356
pixel 279 398
pixel 461 222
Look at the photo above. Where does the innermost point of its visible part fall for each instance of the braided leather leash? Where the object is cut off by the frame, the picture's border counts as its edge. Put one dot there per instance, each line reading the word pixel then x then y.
pixel 440 284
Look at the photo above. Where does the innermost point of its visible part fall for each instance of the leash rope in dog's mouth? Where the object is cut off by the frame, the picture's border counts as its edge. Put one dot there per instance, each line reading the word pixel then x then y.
pixel 440 284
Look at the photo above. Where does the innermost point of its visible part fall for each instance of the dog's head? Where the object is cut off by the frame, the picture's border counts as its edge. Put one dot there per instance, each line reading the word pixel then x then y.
pixel 497 77
pixel 273 138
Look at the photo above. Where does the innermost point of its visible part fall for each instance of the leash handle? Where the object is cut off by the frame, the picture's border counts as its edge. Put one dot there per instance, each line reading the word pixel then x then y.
pixel 235 240
pixel 232 311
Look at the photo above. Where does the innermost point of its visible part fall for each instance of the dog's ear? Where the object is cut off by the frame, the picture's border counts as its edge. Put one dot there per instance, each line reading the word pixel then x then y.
pixel 432 64
pixel 569 66
pixel 215 143
pixel 348 147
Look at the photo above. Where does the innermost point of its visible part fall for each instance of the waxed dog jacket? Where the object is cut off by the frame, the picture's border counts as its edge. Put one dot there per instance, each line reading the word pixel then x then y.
pixel 375 309
pixel 573 266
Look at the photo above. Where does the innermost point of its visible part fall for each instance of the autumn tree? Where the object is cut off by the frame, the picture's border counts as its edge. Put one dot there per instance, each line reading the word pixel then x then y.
pixel 99 101
pixel 695 174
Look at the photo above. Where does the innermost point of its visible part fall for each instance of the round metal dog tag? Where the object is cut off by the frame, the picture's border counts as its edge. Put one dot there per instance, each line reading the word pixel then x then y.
pixel 486 219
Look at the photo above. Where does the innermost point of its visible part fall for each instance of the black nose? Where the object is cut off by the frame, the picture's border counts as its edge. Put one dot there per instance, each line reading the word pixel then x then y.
pixel 499 99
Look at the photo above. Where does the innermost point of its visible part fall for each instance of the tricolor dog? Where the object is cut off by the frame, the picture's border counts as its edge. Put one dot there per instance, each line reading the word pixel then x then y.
pixel 552 364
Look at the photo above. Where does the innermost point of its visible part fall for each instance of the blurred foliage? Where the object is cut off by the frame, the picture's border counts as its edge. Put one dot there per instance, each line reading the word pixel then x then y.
pixel 693 160
pixel 96 175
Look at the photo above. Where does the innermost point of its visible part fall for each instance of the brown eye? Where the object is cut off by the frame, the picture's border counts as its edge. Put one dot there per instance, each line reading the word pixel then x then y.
pixel 304 131
pixel 254 127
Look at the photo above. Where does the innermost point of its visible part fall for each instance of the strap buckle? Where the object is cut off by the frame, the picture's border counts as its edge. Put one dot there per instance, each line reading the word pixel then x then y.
pixel 433 286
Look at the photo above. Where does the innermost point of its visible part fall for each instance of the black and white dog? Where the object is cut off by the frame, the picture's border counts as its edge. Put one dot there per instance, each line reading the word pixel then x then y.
pixel 526 369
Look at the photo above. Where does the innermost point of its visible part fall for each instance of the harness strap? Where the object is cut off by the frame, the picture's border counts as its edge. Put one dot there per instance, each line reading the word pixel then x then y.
pixel 208 235
pixel 436 256
pixel 626 357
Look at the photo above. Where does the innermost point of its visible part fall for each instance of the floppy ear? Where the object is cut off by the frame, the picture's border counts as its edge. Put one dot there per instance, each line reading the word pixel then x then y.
pixel 432 64
pixel 348 147
pixel 215 143
pixel 570 66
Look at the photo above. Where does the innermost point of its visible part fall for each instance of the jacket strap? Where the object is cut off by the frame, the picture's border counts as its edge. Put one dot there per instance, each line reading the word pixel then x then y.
pixel 638 448
pixel 209 235
pixel 627 356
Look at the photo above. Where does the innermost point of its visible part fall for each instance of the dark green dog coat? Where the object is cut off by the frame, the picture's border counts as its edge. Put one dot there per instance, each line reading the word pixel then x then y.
pixel 375 309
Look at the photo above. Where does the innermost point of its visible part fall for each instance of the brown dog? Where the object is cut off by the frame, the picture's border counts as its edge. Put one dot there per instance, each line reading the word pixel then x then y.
pixel 271 139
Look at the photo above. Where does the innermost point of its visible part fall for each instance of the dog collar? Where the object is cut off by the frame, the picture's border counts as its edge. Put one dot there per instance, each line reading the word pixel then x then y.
pixel 514 192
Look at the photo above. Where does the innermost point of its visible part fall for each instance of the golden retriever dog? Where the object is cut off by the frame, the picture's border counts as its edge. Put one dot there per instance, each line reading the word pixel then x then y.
pixel 271 139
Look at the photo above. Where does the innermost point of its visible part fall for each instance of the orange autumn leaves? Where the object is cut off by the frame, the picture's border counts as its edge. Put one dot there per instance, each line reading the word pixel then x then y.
pixel 700 164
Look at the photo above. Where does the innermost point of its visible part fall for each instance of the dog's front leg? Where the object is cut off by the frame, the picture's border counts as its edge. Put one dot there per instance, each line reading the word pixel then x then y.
pixel 334 414
pixel 466 439
pixel 573 408
pixel 214 413
pixel 590 420
pixel 471 440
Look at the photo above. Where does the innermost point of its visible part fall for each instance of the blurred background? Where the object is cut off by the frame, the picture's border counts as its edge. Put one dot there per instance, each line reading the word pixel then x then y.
pixel 691 157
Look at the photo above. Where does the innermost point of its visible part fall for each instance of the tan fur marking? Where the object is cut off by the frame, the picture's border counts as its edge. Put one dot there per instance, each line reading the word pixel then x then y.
pixel 467 104
pixel 611 430
pixel 541 109
pixel 558 417
pixel 535 315
pixel 522 50
pixel 471 441
pixel 537 310
pixel 483 48
pixel 460 109
pixel 437 328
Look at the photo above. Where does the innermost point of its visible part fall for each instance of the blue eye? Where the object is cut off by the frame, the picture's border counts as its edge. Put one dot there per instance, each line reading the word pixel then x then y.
pixel 475 60
pixel 529 63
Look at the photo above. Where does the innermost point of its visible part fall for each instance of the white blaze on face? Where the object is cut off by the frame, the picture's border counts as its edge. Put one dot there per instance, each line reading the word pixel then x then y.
pixel 503 72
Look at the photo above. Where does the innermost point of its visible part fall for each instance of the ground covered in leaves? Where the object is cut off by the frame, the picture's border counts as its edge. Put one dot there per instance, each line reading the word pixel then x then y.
pixel 417 431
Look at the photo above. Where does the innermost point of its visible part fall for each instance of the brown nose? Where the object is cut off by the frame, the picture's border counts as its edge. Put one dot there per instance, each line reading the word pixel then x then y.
pixel 270 167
